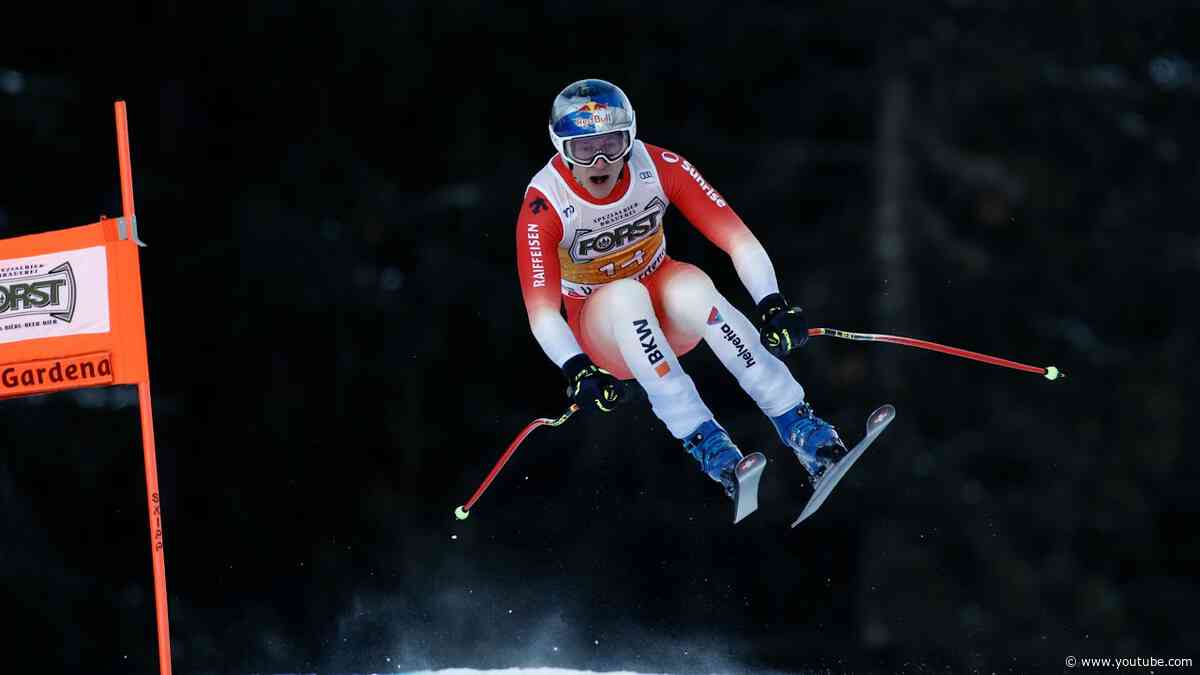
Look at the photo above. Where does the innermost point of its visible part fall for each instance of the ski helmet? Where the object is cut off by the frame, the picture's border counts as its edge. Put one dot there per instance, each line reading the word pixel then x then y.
pixel 591 119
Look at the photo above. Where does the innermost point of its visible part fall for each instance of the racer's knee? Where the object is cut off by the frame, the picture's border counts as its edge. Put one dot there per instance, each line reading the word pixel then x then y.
pixel 623 296
pixel 688 295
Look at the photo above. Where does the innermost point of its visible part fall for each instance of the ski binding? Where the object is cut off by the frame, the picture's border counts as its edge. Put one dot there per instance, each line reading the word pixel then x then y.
pixel 876 423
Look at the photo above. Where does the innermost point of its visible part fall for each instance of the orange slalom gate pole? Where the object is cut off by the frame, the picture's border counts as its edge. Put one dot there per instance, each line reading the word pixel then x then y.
pixel 150 459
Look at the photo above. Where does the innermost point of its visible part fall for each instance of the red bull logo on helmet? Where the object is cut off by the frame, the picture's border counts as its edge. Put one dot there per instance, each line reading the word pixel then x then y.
pixel 591 114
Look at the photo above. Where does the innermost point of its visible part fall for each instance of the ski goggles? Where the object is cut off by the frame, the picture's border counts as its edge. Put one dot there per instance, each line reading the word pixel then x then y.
pixel 586 151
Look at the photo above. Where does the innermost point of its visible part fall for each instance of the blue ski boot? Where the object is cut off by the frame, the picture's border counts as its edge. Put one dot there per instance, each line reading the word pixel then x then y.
pixel 717 454
pixel 814 441
pixel 724 463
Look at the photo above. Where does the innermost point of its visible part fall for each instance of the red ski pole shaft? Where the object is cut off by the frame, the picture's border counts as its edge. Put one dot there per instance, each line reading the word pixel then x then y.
pixel 1049 372
pixel 465 510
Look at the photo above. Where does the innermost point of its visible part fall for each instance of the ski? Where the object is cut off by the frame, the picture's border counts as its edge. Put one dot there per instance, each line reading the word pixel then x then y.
pixel 748 472
pixel 876 423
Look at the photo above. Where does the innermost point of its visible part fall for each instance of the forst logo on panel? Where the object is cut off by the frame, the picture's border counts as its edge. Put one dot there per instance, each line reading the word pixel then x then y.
pixel 27 295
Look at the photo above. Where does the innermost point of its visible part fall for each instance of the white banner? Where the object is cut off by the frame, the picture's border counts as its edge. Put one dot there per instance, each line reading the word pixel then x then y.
pixel 64 293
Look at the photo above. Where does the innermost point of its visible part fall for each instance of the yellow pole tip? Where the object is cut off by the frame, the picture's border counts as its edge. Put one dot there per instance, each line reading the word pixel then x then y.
pixel 1053 373
pixel 461 514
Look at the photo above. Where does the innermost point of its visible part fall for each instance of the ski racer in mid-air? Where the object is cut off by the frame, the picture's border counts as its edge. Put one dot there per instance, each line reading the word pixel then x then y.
pixel 590 235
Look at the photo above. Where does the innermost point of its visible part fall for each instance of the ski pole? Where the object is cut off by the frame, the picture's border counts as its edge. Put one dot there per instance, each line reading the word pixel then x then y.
pixel 465 510
pixel 1049 372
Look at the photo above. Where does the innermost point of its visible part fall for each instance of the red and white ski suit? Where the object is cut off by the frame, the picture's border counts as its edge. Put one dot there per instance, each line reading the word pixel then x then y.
pixel 632 308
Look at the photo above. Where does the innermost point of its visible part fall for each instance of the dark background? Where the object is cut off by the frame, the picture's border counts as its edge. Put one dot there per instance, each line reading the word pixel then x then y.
pixel 339 351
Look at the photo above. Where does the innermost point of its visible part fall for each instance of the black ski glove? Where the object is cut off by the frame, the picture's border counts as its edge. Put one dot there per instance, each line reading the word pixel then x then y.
pixel 590 386
pixel 782 328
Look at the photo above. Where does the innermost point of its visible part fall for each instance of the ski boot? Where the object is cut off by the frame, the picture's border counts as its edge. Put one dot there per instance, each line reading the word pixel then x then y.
pixel 723 462
pixel 814 441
